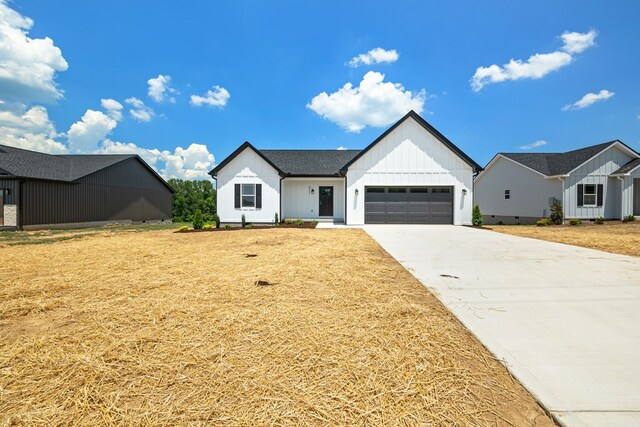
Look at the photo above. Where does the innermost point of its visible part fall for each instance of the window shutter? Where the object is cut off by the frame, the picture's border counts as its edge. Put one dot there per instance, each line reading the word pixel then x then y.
pixel 258 196
pixel 600 194
pixel 580 195
pixel 237 196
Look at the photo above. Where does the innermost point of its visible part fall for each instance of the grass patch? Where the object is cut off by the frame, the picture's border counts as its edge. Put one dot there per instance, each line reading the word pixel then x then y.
pixel 272 326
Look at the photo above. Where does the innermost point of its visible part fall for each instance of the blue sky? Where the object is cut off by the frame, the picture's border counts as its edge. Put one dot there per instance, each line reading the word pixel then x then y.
pixel 266 65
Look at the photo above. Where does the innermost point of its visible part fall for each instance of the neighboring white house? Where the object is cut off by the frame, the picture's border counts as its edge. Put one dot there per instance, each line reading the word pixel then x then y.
pixel 410 174
pixel 598 181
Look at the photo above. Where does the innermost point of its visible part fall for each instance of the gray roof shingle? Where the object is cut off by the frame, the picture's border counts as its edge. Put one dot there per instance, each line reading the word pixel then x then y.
pixel 310 162
pixel 31 164
pixel 552 164
pixel 628 167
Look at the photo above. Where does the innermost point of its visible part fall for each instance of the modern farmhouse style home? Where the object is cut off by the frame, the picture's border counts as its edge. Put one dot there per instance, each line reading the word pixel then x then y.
pixel 598 181
pixel 39 190
pixel 410 174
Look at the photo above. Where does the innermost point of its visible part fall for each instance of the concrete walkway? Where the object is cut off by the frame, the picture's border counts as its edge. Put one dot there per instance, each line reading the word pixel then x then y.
pixel 564 319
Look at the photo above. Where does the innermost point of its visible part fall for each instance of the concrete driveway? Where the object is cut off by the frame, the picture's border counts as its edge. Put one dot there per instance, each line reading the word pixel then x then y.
pixel 564 319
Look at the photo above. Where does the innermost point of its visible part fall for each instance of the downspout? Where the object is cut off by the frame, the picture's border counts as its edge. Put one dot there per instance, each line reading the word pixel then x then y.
pixel 561 178
pixel 280 196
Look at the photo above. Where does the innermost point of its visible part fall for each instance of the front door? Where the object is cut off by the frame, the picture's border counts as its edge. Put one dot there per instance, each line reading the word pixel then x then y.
pixel 326 201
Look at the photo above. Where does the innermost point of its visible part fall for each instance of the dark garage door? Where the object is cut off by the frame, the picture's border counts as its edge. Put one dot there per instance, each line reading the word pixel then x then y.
pixel 408 205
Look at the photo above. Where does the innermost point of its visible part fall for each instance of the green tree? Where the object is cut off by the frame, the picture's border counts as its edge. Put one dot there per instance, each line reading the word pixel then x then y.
pixel 476 216
pixel 198 222
pixel 556 216
pixel 192 195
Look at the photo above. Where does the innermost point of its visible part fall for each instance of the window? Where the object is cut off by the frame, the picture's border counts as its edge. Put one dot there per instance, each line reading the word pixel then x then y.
pixel 5 191
pixel 589 195
pixel 375 190
pixel 441 190
pixel 248 195
pixel 420 190
pixel 507 194
pixel 397 190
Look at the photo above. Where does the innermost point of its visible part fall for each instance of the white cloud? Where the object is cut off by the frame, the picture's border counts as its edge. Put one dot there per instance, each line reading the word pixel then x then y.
pixel 538 65
pixel 374 56
pixel 533 145
pixel 217 97
pixel 578 42
pixel 30 129
pixel 27 66
pixel 113 108
pixel 140 112
pixel 160 89
pixel 84 135
pixel 342 147
pixel 589 99
pixel 373 103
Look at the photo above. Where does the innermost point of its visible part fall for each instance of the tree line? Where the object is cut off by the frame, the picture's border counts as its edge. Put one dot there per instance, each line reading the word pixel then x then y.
pixel 192 195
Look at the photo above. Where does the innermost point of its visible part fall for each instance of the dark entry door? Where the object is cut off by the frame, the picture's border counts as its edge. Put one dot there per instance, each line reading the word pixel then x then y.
pixel 326 201
pixel 408 205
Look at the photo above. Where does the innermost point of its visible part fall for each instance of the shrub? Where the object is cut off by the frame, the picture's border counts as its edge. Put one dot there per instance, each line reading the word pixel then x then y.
pixel 275 219
pixel 500 223
pixel 543 222
pixel 216 220
pixel 183 228
pixel 228 226
pixel 249 225
pixel 208 227
pixel 557 216
pixel 243 220
pixel 314 223
pixel 198 222
pixel 599 220
pixel 476 217
pixel 298 222
pixel 288 221
pixel 629 218
pixel 575 221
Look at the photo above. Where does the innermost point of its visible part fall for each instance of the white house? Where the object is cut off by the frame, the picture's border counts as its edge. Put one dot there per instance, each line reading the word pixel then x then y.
pixel 410 174
pixel 598 181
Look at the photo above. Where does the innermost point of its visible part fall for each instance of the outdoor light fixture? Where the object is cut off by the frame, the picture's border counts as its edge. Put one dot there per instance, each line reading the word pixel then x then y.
pixel 464 191
pixel 312 191
pixel 357 191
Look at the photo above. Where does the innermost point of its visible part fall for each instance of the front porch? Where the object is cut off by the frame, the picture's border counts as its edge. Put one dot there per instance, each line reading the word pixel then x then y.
pixel 314 198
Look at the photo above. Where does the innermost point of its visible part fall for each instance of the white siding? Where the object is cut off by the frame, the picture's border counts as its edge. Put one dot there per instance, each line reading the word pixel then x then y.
pixel 630 194
pixel 596 171
pixel 298 202
pixel 248 168
pixel 410 155
pixel 530 192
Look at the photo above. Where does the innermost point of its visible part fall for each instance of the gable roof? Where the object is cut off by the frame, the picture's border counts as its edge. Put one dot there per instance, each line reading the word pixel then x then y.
pixel 310 162
pixel 628 168
pixel 554 164
pixel 433 131
pixel 20 163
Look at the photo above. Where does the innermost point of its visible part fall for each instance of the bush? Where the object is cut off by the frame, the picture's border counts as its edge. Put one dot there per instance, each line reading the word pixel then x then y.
pixel 208 227
pixel 288 221
pixel 575 221
pixel 298 222
pixel 557 215
pixel 183 228
pixel 216 220
pixel 249 225
pixel 228 226
pixel 629 218
pixel 198 222
pixel 599 220
pixel 243 221
pixel 476 217
pixel 275 219
pixel 543 222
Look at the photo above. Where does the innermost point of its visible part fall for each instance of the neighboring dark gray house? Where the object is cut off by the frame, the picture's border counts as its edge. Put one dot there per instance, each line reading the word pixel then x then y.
pixel 40 190
pixel 598 181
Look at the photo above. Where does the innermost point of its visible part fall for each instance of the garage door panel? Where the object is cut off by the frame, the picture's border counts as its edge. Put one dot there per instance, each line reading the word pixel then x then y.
pixel 408 205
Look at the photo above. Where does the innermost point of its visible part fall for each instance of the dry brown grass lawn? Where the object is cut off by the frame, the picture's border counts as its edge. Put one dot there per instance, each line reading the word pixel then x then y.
pixel 614 237
pixel 159 328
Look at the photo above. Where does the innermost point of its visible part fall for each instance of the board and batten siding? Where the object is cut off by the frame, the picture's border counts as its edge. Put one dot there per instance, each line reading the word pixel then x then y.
pixel 630 194
pixel 596 171
pixel 248 168
pixel 298 202
pixel 410 156
pixel 530 193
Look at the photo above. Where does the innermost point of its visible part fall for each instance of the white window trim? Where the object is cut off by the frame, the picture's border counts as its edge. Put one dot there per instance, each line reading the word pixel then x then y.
pixel 242 195
pixel 507 194
pixel 585 194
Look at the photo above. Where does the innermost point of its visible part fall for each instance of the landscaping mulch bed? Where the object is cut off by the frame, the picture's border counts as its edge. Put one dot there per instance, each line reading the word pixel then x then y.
pixel 252 227
pixel 270 327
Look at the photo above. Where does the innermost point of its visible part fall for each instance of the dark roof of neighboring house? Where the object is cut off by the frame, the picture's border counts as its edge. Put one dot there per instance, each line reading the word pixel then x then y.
pixel 331 162
pixel 20 163
pixel 552 164
pixel 310 162
pixel 633 164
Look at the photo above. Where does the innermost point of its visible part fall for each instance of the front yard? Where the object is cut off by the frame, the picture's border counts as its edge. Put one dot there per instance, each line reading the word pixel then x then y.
pixel 614 237
pixel 279 326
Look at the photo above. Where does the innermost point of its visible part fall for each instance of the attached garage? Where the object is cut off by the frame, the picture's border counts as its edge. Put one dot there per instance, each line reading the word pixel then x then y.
pixel 408 205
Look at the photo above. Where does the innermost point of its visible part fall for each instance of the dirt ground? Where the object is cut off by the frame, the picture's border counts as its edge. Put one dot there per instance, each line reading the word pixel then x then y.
pixel 615 237
pixel 278 327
